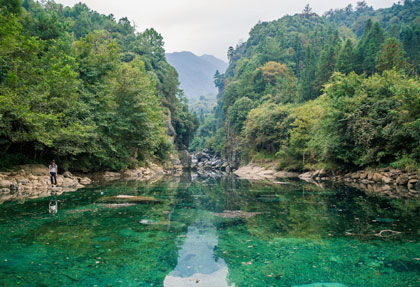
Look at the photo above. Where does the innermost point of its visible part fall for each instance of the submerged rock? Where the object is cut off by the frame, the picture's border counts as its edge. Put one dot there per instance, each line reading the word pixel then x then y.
pixel 116 205
pixel 235 214
pixel 321 285
pixel 129 198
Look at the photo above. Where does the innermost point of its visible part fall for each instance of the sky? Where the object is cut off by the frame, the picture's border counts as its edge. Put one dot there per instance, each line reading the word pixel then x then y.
pixel 208 26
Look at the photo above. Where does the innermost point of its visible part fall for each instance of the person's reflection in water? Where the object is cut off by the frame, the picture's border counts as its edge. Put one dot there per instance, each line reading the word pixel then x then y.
pixel 53 205
pixel 197 265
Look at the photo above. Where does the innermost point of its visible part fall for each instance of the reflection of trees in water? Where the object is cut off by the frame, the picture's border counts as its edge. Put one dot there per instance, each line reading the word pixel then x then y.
pixel 308 234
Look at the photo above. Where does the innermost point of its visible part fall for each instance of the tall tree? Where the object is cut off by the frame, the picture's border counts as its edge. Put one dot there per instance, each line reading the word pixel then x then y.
pixel 11 7
pixel 368 48
pixel 391 56
pixel 325 67
pixel 346 58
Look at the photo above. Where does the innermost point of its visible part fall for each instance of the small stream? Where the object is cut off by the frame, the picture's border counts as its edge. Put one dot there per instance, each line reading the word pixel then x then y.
pixel 211 232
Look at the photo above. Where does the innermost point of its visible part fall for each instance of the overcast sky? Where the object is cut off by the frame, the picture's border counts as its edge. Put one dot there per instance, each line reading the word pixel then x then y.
pixel 208 26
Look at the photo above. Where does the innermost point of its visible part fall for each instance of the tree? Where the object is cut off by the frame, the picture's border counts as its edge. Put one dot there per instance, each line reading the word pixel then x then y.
pixel 238 112
pixel 346 58
pixel 410 38
pixel 307 10
pixel 325 67
pixel 368 48
pixel 11 7
pixel 361 6
pixel 307 89
pixel 230 53
pixel 218 81
pixel 391 56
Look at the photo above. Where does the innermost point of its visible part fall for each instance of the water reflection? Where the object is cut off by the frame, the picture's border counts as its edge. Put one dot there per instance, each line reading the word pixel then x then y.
pixel 197 263
pixel 300 235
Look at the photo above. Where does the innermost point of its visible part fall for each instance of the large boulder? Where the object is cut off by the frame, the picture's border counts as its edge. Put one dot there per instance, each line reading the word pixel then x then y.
pixel 69 182
pixel 67 174
pixel 85 180
pixel 6 183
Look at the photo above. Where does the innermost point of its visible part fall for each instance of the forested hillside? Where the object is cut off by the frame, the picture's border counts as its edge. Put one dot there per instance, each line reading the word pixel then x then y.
pixel 334 91
pixel 85 89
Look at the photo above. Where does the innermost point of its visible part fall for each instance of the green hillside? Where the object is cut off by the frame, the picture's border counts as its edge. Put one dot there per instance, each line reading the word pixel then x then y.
pixel 335 91
pixel 85 89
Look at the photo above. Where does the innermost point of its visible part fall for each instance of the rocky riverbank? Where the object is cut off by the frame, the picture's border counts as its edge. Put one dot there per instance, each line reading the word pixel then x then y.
pixel 386 181
pixel 386 176
pixel 33 180
pixel 255 172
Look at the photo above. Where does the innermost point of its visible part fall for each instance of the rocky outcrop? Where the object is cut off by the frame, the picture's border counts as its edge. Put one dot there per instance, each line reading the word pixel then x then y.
pixel 31 181
pixel 254 172
pixel 142 173
pixel 385 180
pixel 206 162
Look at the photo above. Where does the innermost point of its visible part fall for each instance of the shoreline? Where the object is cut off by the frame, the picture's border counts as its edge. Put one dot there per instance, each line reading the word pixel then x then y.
pixel 386 181
pixel 33 180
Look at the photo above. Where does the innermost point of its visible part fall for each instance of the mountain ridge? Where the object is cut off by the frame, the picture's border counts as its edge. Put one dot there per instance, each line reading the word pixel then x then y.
pixel 196 72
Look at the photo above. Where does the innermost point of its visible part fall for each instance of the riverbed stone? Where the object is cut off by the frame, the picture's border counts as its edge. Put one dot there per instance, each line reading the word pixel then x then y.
pixel 6 183
pixel 69 182
pixel 67 174
pixel 85 180
pixel 402 179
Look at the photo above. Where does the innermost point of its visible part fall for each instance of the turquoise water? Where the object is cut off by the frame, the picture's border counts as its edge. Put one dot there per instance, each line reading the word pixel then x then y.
pixel 293 234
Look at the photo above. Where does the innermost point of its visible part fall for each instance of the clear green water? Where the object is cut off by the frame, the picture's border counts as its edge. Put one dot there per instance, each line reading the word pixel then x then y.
pixel 304 236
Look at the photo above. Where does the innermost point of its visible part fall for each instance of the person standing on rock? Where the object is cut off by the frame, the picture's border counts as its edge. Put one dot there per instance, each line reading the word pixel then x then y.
pixel 53 172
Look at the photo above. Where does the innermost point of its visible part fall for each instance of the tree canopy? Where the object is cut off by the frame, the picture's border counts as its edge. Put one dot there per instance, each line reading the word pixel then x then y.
pixel 85 89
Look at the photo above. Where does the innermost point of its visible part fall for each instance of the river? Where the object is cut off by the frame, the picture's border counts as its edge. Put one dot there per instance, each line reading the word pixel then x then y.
pixel 211 232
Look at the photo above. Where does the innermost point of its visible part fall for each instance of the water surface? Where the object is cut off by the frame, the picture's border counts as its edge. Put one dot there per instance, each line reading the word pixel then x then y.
pixel 294 234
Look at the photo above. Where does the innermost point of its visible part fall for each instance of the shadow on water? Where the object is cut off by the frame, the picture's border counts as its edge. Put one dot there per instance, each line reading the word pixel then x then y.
pixel 211 232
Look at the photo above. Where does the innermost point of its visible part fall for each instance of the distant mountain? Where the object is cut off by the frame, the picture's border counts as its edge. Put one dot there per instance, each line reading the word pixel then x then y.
pixel 196 73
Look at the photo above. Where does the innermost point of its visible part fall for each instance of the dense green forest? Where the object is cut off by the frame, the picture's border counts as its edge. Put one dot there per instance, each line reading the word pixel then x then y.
pixel 85 89
pixel 338 91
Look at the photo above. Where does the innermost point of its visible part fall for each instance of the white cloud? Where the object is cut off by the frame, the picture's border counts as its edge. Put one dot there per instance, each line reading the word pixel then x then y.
pixel 208 27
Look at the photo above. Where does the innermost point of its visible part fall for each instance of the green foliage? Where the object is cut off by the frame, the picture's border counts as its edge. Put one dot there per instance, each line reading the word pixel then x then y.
pixel 238 113
pixel 267 128
pixel 304 114
pixel 346 58
pixel 369 121
pixel 391 56
pixel 368 48
pixel 84 89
